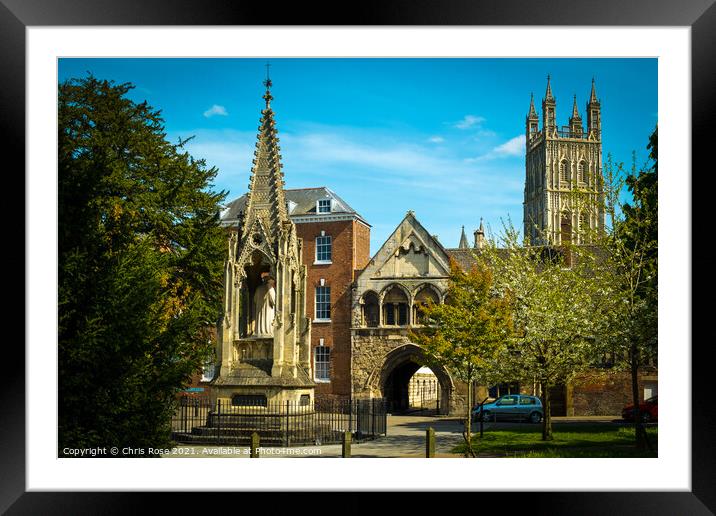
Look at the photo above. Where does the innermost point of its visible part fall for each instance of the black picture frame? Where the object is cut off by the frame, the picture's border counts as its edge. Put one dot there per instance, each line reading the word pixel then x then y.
pixel 699 15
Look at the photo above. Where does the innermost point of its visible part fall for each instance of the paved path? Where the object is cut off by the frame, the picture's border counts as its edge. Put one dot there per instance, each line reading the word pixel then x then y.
pixel 405 438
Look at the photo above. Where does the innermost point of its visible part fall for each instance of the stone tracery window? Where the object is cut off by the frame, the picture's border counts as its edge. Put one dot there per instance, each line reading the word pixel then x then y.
pixel 564 171
pixel 582 172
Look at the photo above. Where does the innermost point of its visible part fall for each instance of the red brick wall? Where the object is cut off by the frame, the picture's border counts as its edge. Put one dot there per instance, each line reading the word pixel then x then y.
pixel 339 276
pixel 606 393
pixel 598 392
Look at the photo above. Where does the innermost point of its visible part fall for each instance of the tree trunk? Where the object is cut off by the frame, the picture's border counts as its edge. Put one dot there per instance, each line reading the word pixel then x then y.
pixel 468 422
pixel 642 441
pixel 547 407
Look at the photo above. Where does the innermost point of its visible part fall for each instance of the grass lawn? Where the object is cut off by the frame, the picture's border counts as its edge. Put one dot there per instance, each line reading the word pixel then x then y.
pixel 579 440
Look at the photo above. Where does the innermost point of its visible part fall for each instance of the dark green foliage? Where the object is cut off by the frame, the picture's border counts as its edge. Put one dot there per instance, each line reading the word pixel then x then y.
pixel 634 264
pixel 140 263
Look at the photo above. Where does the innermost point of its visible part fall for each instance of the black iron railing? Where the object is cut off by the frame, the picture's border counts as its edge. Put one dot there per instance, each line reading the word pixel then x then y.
pixel 201 421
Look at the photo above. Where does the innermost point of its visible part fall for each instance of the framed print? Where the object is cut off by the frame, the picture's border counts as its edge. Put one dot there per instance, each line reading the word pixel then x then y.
pixel 666 49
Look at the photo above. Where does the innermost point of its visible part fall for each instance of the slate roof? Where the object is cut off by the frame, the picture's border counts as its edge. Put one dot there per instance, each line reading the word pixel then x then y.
pixel 466 257
pixel 301 200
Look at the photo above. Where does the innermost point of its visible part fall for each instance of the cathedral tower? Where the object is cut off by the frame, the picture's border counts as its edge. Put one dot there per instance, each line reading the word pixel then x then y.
pixel 564 195
pixel 264 334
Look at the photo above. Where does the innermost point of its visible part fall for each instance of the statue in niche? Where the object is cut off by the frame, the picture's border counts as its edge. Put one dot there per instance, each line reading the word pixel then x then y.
pixel 265 307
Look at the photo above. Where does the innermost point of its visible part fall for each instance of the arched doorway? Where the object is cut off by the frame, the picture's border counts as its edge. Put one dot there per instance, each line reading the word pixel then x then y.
pixel 392 379
pixel 396 389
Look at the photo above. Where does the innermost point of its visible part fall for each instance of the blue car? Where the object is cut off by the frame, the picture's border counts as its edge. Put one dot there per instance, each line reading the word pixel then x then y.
pixel 512 406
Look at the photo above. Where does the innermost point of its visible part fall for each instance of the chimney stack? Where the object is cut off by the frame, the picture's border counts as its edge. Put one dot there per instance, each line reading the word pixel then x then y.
pixel 480 236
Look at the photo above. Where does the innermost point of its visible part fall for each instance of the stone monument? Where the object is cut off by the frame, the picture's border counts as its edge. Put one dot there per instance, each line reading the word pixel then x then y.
pixel 264 335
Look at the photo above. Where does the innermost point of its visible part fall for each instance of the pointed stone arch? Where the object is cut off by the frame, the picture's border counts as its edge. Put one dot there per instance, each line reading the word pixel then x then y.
pixel 391 374
pixel 431 286
pixel 390 286
pixel 421 295
pixel 395 303
pixel 369 309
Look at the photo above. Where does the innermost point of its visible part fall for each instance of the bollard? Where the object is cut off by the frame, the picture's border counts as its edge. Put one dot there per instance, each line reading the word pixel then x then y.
pixel 254 445
pixel 430 442
pixel 346 450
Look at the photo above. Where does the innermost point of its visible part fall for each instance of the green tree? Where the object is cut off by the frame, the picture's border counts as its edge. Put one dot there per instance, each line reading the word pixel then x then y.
pixel 467 333
pixel 632 242
pixel 559 304
pixel 140 260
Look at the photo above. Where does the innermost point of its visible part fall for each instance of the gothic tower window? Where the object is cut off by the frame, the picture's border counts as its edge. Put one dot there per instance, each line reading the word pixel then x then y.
pixel 564 171
pixel 582 172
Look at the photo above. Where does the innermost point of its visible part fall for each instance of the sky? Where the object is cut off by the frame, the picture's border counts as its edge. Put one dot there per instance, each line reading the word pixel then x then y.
pixel 442 137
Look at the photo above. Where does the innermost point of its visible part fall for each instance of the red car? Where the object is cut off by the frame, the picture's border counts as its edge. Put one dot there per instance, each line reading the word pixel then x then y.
pixel 648 409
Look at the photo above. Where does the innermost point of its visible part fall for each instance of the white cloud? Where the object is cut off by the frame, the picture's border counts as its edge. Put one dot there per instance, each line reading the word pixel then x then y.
pixel 216 110
pixel 513 147
pixel 469 121
pixel 436 139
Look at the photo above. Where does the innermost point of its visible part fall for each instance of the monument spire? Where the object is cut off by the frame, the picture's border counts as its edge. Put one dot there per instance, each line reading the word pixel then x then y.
pixel 267 96
pixel 266 199
pixel 265 339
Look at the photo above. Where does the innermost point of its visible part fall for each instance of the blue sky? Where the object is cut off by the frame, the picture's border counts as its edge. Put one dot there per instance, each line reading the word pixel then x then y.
pixel 442 137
